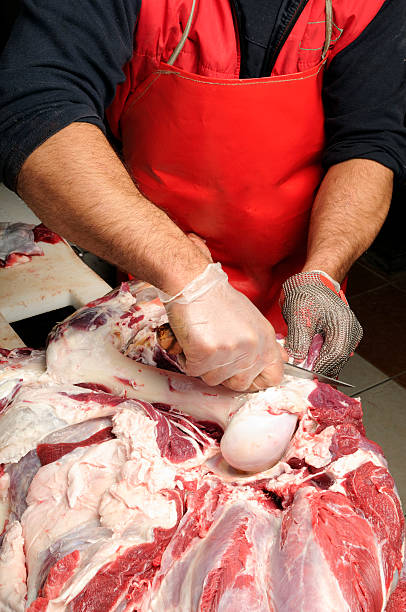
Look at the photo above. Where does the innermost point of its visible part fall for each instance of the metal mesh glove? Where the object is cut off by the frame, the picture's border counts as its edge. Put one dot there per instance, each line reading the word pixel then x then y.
pixel 311 304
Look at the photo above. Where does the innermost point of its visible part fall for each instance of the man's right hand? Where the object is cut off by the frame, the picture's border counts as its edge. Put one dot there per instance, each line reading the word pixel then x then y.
pixel 224 337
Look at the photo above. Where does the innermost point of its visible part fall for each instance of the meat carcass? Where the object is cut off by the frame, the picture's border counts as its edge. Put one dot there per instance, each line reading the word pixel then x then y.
pixel 114 503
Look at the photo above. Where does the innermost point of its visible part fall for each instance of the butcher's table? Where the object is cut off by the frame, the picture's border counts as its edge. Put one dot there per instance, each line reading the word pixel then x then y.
pixel 57 279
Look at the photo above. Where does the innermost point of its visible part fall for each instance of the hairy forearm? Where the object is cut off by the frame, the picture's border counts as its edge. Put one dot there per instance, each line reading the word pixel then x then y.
pixel 349 210
pixel 77 186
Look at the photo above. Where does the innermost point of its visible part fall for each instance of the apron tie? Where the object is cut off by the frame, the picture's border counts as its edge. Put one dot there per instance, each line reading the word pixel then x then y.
pixel 329 28
pixel 185 34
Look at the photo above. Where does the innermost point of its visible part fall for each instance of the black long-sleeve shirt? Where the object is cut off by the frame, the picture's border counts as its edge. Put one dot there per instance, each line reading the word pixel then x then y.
pixel 63 61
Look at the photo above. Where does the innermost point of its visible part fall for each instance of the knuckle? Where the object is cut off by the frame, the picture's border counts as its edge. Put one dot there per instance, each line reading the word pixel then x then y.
pixel 212 378
pixel 194 369
pixel 250 348
pixel 271 376
pixel 208 346
pixel 238 383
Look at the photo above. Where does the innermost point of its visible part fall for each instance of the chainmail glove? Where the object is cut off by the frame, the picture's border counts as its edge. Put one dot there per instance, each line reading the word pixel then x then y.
pixel 312 303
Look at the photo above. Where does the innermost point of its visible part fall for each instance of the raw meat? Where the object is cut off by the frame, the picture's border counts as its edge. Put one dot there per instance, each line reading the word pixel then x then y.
pixel 95 344
pixel 117 504
pixel 44 234
pixel 397 601
pixel 18 242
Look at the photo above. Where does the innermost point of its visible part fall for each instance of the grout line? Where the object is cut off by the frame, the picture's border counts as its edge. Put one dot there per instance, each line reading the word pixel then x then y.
pixel 371 269
pixel 392 284
pixel 395 376
pixel 389 278
pixel 381 382
pixel 356 295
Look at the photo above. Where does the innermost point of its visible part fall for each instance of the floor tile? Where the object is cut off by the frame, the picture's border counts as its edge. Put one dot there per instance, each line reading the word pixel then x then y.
pixel 382 313
pixel 385 423
pixel 360 373
pixel 399 281
pixel 361 279
pixel 401 379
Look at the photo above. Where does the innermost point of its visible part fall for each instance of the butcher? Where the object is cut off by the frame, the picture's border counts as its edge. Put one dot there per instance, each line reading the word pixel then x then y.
pixel 237 154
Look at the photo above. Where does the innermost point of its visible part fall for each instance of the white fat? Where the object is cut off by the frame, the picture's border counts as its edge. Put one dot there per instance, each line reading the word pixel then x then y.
pixel 25 367
pixel 29 422
pixel 294 391
pixel 7 386
pixel 348 463
pixel 147 463
pixel 313 448
pixel 4 501
pixel 290 396
pixel 126 506
pixel 128 489
pixel 38 410
pixel 13 574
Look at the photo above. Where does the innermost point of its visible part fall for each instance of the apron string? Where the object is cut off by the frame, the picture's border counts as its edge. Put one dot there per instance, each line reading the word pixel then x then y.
pixel 182 41
pixel 329 27
pixel 327 42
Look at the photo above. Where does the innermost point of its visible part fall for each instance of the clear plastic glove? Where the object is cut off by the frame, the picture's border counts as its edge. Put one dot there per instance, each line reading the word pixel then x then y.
pixel 224 337
pixel 312 303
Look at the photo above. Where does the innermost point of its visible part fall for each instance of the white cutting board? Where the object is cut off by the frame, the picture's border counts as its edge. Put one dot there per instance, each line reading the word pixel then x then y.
pixel 57 279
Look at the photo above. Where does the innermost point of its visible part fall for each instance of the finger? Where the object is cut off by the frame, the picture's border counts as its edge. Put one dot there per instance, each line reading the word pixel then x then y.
pixel 234 376
pixel 298 341
pixel 216 365
pixel 242 381
pixel 342 336
pixel 272 373
pixel 270 377
pixel 301 328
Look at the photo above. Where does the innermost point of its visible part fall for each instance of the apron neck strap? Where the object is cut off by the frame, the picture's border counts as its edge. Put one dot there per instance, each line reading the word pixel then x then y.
pixel 182 41
pixel 327 42
pixel 329 27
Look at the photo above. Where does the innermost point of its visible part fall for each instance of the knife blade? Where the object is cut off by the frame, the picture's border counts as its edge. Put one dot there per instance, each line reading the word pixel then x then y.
pixel 294 370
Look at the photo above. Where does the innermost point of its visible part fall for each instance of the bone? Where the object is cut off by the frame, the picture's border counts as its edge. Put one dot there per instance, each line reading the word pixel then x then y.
pixel 88 348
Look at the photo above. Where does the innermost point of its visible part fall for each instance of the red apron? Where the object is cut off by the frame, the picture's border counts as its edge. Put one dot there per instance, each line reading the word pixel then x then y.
pixel 237 162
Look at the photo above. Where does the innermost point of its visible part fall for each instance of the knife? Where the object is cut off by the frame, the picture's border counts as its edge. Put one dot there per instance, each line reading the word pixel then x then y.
pixel 168 342
pixel 294 370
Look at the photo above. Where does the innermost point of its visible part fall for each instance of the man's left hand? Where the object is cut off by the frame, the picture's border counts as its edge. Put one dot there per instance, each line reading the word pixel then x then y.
pixel 312 305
